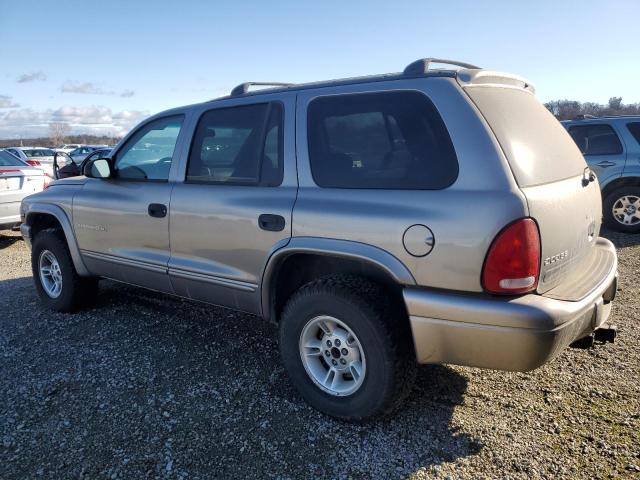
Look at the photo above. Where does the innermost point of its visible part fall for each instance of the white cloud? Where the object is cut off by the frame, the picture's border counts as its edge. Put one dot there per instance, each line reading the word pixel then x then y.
pixel 38 76
pixel 7 102
pixel 99 120
pixel 89 88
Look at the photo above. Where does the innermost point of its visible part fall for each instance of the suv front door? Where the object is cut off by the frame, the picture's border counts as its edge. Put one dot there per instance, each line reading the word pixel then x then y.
pixel 602 149
pixel 122 223
pixel 233 208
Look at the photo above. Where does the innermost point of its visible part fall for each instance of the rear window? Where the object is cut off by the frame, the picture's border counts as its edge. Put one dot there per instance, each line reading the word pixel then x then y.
pixel 538 148
pixel 38 153
pixel 385 140
pixel 596 139
pixel 634 128
pixel 8 160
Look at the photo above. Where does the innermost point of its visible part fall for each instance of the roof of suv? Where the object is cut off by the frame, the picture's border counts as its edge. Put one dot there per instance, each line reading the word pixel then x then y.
pixel 419 68
pixel 467 75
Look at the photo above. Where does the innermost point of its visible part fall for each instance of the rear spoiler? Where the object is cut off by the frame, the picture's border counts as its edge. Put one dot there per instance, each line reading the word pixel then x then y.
pixel 487 78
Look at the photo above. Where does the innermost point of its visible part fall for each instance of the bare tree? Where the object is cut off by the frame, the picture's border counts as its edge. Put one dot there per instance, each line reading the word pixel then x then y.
pixel 57 132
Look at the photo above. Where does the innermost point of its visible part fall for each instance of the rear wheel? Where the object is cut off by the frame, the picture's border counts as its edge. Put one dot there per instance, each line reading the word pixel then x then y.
pixel 58 284
pixel 347 348
pixel 622 209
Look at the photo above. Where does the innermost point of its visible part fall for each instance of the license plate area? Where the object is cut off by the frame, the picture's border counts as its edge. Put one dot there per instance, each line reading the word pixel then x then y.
pixel 8 184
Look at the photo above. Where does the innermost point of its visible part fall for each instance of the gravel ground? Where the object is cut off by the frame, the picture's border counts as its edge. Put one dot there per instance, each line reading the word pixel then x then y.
pixel 148 386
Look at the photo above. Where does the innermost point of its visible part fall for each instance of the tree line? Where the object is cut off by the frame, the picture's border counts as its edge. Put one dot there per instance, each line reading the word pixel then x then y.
pixel 569 109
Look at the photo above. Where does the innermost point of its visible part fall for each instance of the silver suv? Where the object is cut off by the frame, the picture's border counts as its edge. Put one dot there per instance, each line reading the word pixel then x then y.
pixel 430 216
pixel 611 147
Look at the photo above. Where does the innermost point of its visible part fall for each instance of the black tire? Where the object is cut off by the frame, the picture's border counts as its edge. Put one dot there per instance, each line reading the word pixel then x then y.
pixel 382 329
pixel 76 291
pixel 607 209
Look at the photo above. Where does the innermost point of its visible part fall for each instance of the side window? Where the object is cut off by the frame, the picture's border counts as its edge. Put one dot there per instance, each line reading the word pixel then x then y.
pixel 238 146
pixel 148 153
pixel 597 139
pixel 387 140
pixel 634 128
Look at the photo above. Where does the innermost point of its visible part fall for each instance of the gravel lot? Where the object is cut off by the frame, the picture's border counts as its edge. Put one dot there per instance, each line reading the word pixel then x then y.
pixel 148 386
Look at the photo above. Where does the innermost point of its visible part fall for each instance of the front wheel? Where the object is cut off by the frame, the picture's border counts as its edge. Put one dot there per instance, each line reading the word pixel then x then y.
pixel 347 348
pixel 622 209
pixel 58 284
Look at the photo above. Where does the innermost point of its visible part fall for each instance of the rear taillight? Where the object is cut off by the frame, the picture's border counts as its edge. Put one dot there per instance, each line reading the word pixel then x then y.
pixel 513 261
pixel 33 163
pixel 47 181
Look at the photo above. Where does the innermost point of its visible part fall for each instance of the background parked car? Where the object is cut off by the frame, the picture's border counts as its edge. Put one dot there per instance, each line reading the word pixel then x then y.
pixel 66 148
pixel 17 180
pixel 611 147
pixel 80 153
pixel 38 157
pixel 73 169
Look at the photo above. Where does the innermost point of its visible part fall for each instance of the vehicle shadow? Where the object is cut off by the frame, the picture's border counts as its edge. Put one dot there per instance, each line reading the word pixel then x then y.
pixel 193 390
pixel 621 240
pixel 8 238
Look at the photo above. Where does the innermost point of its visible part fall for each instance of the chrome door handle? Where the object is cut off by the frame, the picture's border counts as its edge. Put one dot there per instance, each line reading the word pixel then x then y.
pixel 605 163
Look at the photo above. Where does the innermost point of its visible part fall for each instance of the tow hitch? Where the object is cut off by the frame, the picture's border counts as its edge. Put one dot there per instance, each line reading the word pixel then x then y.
pixel 605 334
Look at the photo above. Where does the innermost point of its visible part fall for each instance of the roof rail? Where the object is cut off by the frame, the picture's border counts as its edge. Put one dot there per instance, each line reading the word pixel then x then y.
pixel 584 116
pixel 244 87
pixel 420 67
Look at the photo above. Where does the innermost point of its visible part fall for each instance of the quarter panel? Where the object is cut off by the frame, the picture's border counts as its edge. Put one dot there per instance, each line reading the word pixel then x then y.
pixel 464 217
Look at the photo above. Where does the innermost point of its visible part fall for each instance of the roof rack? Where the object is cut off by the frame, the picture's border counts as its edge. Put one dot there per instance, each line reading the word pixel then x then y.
pixel 584 116
pixel 420 67
pixel 244 87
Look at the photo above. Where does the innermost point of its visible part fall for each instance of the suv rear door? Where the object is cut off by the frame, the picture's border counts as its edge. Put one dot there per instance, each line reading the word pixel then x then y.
pixel 233 206
pixel 602 148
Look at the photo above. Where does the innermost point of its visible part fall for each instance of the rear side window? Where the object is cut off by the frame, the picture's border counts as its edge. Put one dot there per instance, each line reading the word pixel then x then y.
pixel 596 139
pixel 239 146
pixel 7 159
pixel 538 148
pixel 634 128
pixel 386 140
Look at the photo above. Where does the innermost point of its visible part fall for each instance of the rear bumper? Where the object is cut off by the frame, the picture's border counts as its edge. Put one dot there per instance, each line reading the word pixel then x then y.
pixel 516 333
pixel 9 214
pixel 9 222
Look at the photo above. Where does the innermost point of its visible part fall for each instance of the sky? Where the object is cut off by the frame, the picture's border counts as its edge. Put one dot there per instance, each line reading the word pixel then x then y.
pixel 102 66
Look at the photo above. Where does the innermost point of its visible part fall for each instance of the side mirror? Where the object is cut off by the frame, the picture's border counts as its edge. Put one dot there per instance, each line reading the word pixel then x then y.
pixel 98 168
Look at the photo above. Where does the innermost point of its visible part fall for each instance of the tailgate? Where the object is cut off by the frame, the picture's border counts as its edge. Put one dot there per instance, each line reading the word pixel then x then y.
pixel 549 169
pixel 568 216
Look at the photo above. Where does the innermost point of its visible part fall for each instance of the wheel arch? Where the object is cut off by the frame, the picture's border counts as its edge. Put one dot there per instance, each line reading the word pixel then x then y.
pixel 41 216
pixel 620 182
pixel 307 258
